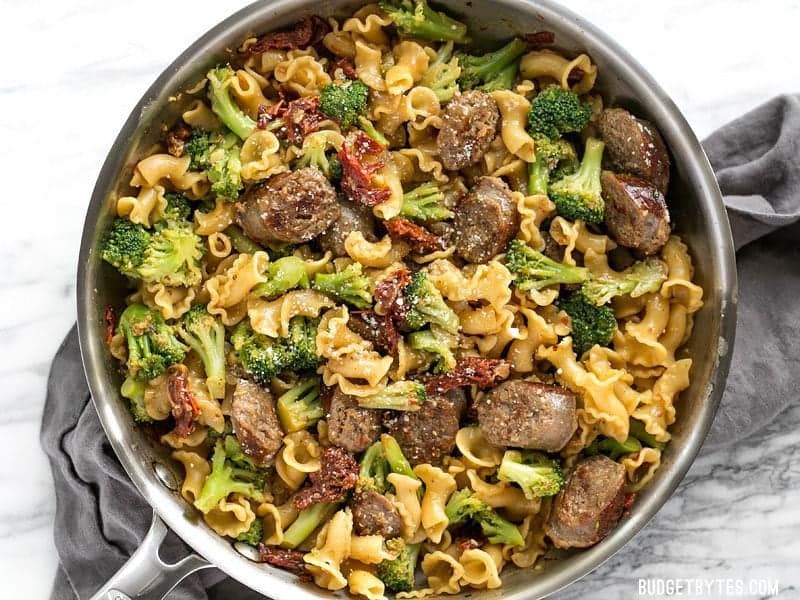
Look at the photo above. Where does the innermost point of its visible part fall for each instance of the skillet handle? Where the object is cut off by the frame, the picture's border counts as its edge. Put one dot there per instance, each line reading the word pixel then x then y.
pixel 145 576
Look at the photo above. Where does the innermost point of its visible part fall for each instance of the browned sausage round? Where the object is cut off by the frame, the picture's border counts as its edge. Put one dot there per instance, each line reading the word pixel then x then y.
pixel 486 220
pixel 526 414
pixel 636 214
pixel 468 128
pixel 291 207
pixel 352 217
pixel 255 422
pixel 634 146
pixel 426 435
pixel 350 426
pixel 590 504
pixel 373 514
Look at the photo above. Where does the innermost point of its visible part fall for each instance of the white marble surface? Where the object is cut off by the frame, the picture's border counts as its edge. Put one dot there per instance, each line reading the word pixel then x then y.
pixel 73 70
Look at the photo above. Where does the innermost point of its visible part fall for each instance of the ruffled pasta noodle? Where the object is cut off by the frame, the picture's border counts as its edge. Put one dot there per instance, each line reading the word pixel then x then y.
pixel 171 302
pixel 275 520
pixel 215 221
pixel 332 548
pixel 444 572
pixel 230 517
pixel 228 290
pixel 406 502
pixel 364 583
pixel 271 317
pixel 260 156
pixel 514 111
pixel 302 73
pixel 503 495
pixel 298 457
pixel 368 66
pixel 158 168
pixel 196 469
pixel 438 487
pixel 247 93
pixel 482 567
pixel 377 255
pixel 367 25
pixel 475 450
pixel 410 64
pixel 546 63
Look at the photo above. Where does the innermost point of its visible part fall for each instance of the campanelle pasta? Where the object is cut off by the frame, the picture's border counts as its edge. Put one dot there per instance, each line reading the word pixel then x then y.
pixel 378 334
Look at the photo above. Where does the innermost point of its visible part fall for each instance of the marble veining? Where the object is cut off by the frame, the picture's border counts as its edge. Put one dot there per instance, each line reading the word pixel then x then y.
pixel 73 71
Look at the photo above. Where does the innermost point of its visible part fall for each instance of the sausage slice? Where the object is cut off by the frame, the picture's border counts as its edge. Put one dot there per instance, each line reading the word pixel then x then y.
pixel 373 514
pixel 468 128
pixel 290 208
pixel 426 435
pixel 526 414
pixel 634 146
pixel 255 422
pixel 590 504
pixel 636 214
pixel 350 426
pixel 352 217
pixel 486 220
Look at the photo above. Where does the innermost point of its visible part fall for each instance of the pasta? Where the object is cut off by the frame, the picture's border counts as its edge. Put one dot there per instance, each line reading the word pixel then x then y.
pixel 371 326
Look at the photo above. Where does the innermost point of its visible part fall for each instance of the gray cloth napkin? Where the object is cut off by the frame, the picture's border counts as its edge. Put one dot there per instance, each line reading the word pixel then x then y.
pixel 101 518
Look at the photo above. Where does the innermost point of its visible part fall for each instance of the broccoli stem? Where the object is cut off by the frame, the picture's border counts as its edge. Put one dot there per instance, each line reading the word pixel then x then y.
pixel 538 177
pixel 476 70
pixel 368 127
pixel 240 241
pixel 425 203
pixel 398 463
pixel 223 105
pixel 637 430
pixel 420 21
pixel 300 407
pixel 306 522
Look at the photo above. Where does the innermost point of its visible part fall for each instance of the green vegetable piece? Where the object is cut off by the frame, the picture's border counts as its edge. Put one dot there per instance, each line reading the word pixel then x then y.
pixel 580 195
pixel 224 480
pixel 537 474
pixel 591 325
pixel 300 407
pixel 492 70
pixel 206 336
pixel 219 82
pixel 556 111
pixel 400 395
pixel 414 18
pixel 533 270
pixel 426 306
pixel 464 505
pixel 152 345
pixel 425 203
pixel 641 278
pixel 398 574
pixel 344 101
pixel 349 285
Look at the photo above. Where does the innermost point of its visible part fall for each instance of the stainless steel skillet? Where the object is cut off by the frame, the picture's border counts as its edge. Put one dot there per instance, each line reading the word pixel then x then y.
pixel 696 208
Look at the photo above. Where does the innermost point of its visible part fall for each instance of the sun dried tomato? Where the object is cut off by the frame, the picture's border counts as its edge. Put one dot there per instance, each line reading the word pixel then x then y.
pixel 420 239
pixel 185 409
pixel 347 67
pixel 288 560
pixel 110 319
pixel 177 138
pixel 540 38
pixel 308 31
pixel 389 297
pixel 483 372
pixel 375 328
pixel 360 157
pixel 337 474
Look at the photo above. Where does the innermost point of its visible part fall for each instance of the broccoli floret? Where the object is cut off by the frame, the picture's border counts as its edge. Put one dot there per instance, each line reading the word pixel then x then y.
pixel 400 395
pixel 464 505
pixel 414 18
pixel 443 73
pixel 612 448
pixel 398 574
pixel 368 127
pixel 437 345
pixel 226 479
pixel 534 472
pixel 173 256
pixel 126 246
pixel 233 450
pixel 306 522
pixel 316 154
pixel 254 535
pixel 640 278
pixel 491 69
pixel 395 458
pixel 284 274
pixel 219 157
pixel 580 196
pixel 302 344
pixel 134 391
pixel 300 407
pixel 556 111
pixel 223 105
pixel 425 203
pixel 178 207
pixel 373 469
pixel 533 270
pixel 590 324
pixel 240 242
pixel 261 357
pixel 344 101
pixel 206 336
pixel 426 306
pixel 550 154
pixel 638 431
pixel 152 345
pixel 349 285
